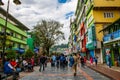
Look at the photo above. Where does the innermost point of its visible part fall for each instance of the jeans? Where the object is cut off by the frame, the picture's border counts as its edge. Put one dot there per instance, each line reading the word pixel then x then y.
pixel 42 65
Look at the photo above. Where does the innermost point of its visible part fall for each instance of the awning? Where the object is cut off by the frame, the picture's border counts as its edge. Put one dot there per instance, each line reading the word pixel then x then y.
pixel 19 50
pixel 36 50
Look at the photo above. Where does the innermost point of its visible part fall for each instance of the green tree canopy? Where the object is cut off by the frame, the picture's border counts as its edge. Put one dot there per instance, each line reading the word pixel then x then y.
pixel 47 33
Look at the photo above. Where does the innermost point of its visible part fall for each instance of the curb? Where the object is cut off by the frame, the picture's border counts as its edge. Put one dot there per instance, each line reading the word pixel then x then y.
pixel 102 73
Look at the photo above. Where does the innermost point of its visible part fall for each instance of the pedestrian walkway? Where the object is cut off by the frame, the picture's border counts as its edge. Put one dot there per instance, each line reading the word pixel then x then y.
pixel 54 73
pixel 113 73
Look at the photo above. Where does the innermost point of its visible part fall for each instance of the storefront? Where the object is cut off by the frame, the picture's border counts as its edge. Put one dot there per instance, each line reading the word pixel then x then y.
pixel 111 40
pixel 91 43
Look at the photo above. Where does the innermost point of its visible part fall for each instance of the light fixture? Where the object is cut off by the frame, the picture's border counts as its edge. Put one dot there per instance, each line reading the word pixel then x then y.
pixel 1 3
pixel 17 2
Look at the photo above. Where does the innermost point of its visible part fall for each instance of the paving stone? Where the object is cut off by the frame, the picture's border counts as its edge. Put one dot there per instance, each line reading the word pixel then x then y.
pixel 52 73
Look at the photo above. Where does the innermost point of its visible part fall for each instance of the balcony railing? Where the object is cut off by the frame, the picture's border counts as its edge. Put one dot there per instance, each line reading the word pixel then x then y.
pixel 112 36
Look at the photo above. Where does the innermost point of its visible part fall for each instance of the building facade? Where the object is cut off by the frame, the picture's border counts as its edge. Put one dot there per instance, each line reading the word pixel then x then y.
pixel 16 32
pixel 81 26
pixel 111 41
pixel 93 16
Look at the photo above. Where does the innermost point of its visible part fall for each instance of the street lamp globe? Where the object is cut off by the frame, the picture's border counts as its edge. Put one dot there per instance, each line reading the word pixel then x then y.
pixel 1 3
pixel 17 2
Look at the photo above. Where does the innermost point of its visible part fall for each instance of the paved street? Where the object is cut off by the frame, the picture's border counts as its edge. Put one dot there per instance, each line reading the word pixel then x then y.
pixel 62 74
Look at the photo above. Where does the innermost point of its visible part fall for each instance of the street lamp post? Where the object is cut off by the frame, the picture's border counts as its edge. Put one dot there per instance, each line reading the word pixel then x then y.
pixel 17 2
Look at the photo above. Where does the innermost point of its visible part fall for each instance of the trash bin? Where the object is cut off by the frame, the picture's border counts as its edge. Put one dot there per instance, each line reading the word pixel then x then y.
pixel 116 63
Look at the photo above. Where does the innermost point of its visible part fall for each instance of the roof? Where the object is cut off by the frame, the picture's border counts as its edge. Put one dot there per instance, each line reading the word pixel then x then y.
pixel 19 24
pixel 118 20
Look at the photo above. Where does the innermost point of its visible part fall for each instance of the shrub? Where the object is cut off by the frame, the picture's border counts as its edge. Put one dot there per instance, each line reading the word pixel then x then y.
pixel 10 54
pixel 29 53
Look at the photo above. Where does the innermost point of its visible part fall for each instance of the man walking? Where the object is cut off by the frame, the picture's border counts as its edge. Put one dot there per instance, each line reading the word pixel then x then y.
pixel 42 62
pixel 75 64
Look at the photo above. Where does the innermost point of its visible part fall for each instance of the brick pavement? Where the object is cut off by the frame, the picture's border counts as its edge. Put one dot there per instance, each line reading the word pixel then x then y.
pixel 52 73
pixel 112 74
pixel 109 72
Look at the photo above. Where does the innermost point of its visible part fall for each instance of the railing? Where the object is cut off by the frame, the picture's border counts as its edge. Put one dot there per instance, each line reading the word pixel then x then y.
pixel 112 36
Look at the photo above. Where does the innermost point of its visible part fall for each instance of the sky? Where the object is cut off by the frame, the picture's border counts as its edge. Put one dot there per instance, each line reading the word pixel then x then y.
pixel 32 11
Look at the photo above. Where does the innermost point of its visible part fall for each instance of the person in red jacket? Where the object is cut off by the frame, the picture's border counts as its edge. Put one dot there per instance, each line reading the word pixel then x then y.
pixel 32 62
pixel 13 63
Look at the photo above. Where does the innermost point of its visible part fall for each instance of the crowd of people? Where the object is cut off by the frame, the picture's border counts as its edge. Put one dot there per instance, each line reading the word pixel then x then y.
pixel 13 66
pixel 72 61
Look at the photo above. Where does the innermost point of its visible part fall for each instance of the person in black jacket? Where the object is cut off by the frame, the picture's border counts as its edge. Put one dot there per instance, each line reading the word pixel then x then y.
pixel 42 62
pixel 82 61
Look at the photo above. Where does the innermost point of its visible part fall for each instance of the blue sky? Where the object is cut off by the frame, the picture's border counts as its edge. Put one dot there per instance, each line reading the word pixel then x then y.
pixel 32 11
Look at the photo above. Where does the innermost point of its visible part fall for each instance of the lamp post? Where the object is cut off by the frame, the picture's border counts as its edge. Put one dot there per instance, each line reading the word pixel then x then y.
pixel 17 2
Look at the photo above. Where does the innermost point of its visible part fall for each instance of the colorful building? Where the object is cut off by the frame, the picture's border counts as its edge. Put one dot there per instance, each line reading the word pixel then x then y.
pixel 99 13
pixel 17 35
pixel 93 16
pixel 81 26
pixel 72 37
pixel 111 40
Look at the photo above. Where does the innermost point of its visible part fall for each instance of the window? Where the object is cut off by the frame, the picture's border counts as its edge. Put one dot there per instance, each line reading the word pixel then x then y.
pixel 21 37
pixel 108 15
pixel 18 45
pixel 11 33
pixel 13 44
pixel 2 29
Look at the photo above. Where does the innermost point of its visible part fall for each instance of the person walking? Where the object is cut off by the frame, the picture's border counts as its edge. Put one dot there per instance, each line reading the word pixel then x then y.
pixel 32 63
pixel 62 61
pixel 75 64
pixel 91 60
pixel 42 62
pixel 82 61
pixel 85 60
pixel 58 61
pixel 53 63
pixel 108 58
pixel 71 61
pixel 96 60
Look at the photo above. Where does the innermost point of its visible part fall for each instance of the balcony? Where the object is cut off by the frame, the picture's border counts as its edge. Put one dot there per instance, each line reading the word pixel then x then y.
pixel 112 37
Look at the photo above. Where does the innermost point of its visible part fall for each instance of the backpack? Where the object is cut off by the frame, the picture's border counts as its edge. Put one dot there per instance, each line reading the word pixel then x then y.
pixel 62 59
pixel 71 61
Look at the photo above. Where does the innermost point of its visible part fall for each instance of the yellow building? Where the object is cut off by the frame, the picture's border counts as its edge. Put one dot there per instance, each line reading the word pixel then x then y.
pixel 99 13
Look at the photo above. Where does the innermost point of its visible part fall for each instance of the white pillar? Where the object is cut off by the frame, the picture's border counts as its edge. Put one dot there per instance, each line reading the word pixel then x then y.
pixel 101 60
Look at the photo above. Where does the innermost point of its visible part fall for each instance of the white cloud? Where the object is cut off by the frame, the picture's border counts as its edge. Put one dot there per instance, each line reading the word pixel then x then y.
pixel 31 11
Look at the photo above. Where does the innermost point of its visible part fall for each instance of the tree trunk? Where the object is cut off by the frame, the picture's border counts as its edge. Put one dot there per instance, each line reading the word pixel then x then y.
pixel 47 51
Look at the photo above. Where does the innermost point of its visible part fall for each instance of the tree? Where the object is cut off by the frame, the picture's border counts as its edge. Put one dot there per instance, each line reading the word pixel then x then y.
pixel 11 54
pixel 47 33
pixel 29 53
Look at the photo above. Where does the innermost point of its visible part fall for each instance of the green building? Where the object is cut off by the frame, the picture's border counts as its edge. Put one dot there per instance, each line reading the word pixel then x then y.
pixel 30 42
pixel 16 32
